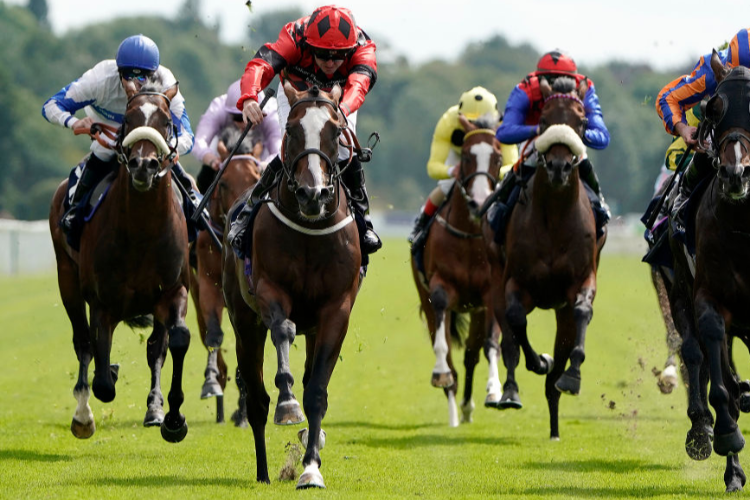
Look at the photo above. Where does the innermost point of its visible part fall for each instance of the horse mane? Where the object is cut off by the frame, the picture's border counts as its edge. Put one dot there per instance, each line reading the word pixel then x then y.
pixel 564 84
pixel 230 134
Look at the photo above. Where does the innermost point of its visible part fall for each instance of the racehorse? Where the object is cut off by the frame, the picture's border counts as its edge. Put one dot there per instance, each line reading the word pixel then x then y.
pixel 550 253
pixel 710 294
pixel 305 275
pixel 456 273
pixel 238 175
pixel 132 263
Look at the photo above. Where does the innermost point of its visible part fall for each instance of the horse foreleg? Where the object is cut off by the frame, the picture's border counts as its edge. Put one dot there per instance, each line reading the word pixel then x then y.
pixel 239 416
pixel 156 352
pixel 519 305
pixel 494 388
pixel 477 337
pixel 728 439
pixel 212 307
pixel 667 378
pixel 172 310
pixel 83 425
pixel 283 332
pixel 329 339
pixel 583 310
pixel 105 375
pixel 443 371
pixel 734 476
pixel 511 357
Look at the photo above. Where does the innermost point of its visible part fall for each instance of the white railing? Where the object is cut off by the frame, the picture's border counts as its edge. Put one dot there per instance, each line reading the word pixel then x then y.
pixel 25 247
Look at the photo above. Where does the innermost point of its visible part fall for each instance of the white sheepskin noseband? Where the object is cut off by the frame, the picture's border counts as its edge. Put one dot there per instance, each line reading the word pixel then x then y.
pixel 560 134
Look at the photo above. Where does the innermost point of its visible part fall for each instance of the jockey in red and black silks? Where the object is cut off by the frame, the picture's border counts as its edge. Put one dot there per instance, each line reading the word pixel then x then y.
pixel 324 49
pixel 524 105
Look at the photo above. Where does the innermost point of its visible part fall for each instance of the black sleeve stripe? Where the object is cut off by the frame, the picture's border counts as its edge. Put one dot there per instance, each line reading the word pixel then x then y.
pixel 271 57
pixel 366 70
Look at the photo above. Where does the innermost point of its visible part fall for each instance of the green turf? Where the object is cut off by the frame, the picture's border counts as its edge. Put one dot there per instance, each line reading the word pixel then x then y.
pixel 387 432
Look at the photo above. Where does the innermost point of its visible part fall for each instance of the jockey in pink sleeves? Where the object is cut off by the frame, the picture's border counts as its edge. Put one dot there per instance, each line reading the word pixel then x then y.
pixel 220 113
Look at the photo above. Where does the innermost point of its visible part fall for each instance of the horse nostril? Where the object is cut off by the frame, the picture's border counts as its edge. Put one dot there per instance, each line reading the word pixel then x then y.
pixel 325 193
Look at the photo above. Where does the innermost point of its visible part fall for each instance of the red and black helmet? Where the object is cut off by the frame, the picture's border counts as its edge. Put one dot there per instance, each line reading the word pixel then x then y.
pixel 556 62
pixel 331 27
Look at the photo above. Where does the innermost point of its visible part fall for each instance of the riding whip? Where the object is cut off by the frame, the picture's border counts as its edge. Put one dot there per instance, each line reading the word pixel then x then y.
pixel 207 195
pixel 678 169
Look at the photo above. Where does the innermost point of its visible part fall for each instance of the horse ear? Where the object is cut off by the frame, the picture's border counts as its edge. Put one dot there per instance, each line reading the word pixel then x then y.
pixel 465 123
pixel 221 148
pixel 291 93
pixel 171 91
pixel 130 88
pixel 545 88
pixel 583 87
pixel 720 71
pixel 336 93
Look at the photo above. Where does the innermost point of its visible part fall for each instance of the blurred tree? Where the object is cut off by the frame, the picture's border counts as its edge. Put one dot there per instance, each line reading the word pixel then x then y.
pixel 266 28
pixel 40 11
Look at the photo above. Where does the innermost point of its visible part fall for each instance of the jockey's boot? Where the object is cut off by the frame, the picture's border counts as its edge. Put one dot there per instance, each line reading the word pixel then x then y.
pixel 94 171
pixel 183 178
pixel 506 187
pixel 239 226
pixel 699 168
pixel 354 181
pixel 419 223
pixel 588 175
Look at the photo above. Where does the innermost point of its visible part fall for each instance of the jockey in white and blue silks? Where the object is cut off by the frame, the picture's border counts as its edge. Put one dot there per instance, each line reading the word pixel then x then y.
pixel 100 93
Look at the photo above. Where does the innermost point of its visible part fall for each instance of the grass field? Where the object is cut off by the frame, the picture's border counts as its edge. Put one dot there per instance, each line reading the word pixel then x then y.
pixel 387 433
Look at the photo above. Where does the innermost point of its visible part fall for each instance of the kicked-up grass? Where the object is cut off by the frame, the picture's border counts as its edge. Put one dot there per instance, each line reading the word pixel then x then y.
pixel 387 432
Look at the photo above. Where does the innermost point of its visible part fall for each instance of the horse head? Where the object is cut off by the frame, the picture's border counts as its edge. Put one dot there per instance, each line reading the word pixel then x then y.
pixel 310 148
pixel 561 128
pixel 727 124
pixel 147 138
pixel 481 160
pixel 241 172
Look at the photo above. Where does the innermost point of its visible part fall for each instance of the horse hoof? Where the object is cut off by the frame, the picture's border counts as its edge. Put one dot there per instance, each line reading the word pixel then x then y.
pixel 174 430
pixel 729 444
pixel 302 436
pixel 492 400
pixel 698 443
pixel 568 384
pixel 745 402
pixel 442 380
pixel 547 362
pixel 154 417
pixel 102 391
pixel 310 478
pixel 667 380
pixel 239 419
pixel 210 389
pixel 81 430
pixel 510 400
pixel 288 413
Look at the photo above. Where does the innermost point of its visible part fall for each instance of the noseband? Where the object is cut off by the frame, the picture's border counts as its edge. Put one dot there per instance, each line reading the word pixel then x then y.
pixel 166 146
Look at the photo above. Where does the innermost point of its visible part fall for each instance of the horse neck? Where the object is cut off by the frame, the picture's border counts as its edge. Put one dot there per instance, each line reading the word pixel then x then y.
pixel 133 209
pixel 552 200
pixel 457 213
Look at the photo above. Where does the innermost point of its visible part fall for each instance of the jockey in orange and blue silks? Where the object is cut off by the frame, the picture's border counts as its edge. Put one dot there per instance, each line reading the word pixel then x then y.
pixel 684 93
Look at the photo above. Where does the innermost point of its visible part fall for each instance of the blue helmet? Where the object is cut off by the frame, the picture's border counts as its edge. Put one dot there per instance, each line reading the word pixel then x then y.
pixel 138 51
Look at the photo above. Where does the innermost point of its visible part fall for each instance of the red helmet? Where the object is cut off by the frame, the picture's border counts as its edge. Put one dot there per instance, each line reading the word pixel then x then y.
pixel 556 62
pixel 331 27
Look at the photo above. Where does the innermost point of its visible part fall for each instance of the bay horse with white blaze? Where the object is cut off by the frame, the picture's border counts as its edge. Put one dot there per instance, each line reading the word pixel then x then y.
pixel 133 263
pixel 452 273
pixel 710 294
pixel 305 275
pixel 550 253
pixel 206 289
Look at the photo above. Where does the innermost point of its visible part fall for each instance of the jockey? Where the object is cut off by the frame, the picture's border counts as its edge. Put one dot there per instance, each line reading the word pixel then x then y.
pixel 220 113
pixel 683 94
pixel 323 49
pixel 478 105
pixel 524 108
pixel 99 91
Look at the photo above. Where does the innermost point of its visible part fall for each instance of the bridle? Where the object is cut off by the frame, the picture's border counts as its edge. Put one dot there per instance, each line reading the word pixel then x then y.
pixel 166 145
pixel 464 180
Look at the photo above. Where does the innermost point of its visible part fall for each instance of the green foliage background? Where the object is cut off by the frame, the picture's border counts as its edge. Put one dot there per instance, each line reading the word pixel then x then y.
pixel 403 106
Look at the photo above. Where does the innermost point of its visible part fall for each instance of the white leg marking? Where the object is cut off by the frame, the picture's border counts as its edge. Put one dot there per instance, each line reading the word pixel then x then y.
pixel 311 477
pixel 493 380
pixel 452 410
pixel 467 410
pixel 83 412
pixel 441 349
